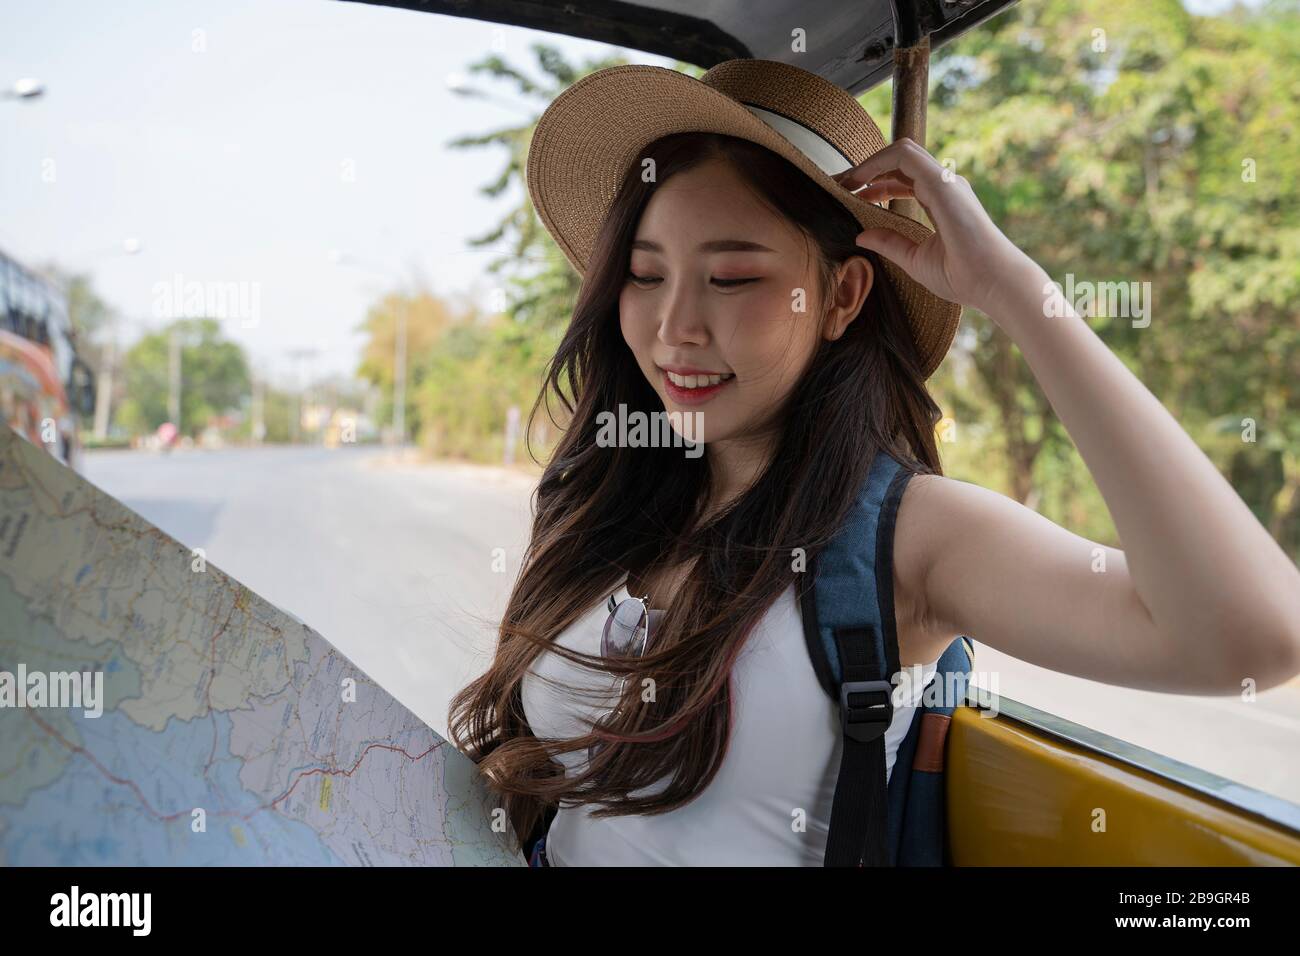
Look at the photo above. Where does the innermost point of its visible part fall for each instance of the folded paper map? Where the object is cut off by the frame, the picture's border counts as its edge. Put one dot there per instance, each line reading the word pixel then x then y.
pixel 153 711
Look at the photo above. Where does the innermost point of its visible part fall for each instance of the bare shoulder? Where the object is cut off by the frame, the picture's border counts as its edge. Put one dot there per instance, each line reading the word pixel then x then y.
pixel 932 507
pixel 936 515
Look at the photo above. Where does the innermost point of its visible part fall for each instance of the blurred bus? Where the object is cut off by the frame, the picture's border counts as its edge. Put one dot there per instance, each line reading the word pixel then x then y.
pixel 46 390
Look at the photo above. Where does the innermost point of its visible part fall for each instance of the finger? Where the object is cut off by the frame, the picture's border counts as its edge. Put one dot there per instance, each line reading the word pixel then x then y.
pixel 882 191
pixel 910 160
pixel 849 177
pixel 850 181
pixel 901 156
pixel 890 177
pixel 894 246
pixel 891 186
pixel 887 186
pixel 885 189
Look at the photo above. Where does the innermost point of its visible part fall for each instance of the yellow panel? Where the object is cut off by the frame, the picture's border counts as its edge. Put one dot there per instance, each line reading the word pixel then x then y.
pixel 1020 797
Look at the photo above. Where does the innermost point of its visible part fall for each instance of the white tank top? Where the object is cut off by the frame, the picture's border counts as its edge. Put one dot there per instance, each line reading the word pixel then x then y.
pixel 783 757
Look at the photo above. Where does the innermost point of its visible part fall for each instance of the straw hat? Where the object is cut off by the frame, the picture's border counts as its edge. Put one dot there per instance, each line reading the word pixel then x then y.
pixel 596 128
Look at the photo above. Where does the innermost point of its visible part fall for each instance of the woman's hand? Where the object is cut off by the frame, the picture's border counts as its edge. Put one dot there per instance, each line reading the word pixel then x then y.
pixel 968 260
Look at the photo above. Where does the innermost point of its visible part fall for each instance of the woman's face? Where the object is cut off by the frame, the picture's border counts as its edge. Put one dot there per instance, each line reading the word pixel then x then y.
pixel 720 284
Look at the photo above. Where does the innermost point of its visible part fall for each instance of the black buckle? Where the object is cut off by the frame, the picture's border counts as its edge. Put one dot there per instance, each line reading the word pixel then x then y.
pixel 866 708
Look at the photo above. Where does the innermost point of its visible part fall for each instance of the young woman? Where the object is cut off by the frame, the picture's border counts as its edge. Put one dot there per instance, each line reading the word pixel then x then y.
pixel 727 253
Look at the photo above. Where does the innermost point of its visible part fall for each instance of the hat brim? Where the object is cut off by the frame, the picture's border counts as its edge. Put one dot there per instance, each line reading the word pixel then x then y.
pixel 590 134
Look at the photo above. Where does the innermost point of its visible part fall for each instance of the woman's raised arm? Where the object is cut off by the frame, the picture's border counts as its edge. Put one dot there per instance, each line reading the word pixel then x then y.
pixel 1199 600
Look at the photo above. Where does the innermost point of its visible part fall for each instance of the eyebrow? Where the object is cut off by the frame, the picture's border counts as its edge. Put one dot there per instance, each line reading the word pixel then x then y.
pixel 712 245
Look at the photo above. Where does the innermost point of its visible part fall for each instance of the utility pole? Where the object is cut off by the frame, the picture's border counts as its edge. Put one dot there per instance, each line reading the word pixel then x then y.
pixel 399 376
pixel 104 386
pixel 259 405
pixel 339 257
pixel 174 378
pixel 301 357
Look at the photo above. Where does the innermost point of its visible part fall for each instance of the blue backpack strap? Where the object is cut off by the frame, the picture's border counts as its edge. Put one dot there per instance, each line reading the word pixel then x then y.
pixel 848 615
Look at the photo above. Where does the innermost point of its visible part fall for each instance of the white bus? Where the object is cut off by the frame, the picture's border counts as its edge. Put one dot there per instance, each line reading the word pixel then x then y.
pixel 46 390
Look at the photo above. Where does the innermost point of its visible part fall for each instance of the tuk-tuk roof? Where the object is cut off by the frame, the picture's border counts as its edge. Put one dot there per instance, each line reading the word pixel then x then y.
pixel 705 32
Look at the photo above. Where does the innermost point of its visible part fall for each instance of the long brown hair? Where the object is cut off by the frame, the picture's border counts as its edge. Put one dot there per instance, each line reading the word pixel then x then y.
pixel 601 512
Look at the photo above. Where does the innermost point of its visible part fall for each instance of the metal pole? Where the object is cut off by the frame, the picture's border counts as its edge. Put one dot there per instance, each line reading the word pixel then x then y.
pixel 911 90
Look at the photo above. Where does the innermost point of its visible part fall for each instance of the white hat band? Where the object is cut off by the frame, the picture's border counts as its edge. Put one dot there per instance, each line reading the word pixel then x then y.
pixel 809 142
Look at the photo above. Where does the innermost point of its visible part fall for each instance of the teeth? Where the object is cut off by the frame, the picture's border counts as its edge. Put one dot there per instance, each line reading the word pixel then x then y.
pixel 697 381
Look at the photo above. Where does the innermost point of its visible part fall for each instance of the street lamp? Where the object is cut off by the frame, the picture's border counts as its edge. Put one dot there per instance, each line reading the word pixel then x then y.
pixel 24 89
pixel 301 357
pixel 176 340
pixel 338 257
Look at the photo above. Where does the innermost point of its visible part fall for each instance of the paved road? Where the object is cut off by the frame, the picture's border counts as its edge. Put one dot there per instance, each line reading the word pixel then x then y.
pixel 391 562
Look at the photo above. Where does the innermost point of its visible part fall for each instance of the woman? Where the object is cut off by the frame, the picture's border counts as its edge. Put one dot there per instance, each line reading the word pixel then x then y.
pixel 736 269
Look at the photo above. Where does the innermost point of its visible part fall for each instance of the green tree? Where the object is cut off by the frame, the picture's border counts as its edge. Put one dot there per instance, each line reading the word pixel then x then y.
pixel 1123 141
pixel 214 376
pixel 466 368
pixel 427 318
pixel 89 315
pixel 539 284
pixel 1113 140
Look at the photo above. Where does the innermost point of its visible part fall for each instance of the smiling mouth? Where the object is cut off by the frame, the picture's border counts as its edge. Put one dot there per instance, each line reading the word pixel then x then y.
pixel 697 381
pixel 705 389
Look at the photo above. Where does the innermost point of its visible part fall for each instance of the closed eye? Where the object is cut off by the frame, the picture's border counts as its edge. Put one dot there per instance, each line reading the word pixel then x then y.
pixel 721 283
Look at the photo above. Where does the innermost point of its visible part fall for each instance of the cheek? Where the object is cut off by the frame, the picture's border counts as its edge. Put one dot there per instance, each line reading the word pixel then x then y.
pixel 628 321
pixel 770 335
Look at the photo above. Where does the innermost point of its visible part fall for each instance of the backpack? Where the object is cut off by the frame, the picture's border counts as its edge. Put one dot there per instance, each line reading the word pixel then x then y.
pixel 847 606
pixel 849 627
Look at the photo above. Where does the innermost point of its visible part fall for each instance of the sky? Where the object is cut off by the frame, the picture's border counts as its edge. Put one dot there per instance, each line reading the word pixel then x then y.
pixel 296 128
pixel 243 141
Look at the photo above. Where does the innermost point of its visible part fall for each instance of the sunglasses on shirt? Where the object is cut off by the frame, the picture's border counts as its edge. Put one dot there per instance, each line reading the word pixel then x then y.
pixel 627 632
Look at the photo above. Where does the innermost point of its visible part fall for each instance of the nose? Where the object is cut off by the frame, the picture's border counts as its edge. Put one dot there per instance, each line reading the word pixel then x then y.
pixel 682 321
